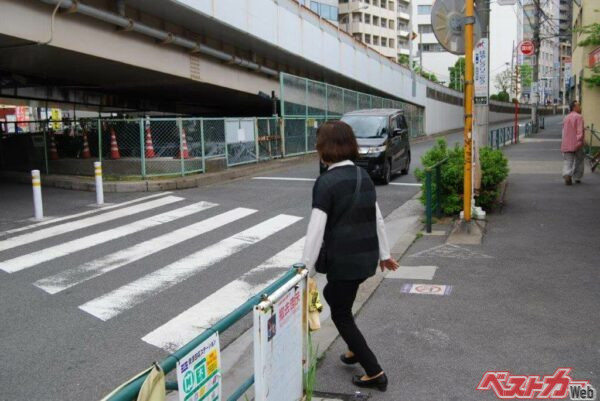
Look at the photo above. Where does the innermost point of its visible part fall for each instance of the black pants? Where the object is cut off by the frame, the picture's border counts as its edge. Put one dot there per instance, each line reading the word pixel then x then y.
pixel 340 296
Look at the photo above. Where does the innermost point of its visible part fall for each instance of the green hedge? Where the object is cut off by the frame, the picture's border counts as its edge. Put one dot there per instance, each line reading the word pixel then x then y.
pixel 494 169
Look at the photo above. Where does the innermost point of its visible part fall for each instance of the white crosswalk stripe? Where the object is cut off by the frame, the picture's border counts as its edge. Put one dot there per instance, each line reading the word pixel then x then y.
pixel 45 233
pixel 123 298
pixel 77 275
pixel 192 322
pixel 87 212
pixel 69 247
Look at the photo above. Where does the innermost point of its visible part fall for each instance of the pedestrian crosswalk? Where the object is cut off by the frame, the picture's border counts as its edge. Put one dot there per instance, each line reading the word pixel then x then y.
pixel 240 229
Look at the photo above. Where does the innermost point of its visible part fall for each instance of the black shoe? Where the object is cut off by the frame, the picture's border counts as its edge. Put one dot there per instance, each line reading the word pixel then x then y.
pixel 380 382
pixel 348 360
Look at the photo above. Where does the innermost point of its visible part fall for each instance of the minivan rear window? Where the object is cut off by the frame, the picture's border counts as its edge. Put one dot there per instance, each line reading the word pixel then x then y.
pixel 367 126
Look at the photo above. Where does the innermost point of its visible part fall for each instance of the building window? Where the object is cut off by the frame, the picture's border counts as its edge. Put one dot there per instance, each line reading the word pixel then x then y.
pixel 424 10
pixel 367 38
pixel 431 47
pixel 391 5
pixel 375 20
pixel 376 40
pixel 425 29
pixel 358 36
pixel 383 23
pixel 390 24
pixel 367 18
pixel 324 10
pixel 391 43
pixel 384 42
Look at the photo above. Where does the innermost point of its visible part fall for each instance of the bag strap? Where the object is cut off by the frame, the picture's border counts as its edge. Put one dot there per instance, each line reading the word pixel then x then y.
pixel 354 197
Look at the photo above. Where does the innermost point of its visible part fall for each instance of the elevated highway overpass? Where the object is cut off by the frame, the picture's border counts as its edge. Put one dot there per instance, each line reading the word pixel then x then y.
pixel 196 57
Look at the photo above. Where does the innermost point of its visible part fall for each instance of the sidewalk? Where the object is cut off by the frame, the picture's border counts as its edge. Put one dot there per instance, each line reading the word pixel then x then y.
pixel 525 301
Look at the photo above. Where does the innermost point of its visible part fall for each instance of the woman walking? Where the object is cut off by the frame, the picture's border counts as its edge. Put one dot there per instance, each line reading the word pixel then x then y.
pixel 345 240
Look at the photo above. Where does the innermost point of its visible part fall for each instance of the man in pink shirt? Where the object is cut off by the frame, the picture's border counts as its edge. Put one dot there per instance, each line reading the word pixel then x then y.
pixel 572 145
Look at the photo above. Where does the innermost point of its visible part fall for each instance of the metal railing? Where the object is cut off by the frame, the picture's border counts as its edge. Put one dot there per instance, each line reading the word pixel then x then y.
pixel 500 137
pixel 592 151
pixel 432 204
pixel 130 391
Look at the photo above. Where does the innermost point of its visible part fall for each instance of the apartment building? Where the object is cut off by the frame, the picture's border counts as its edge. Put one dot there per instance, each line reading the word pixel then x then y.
pixel 549 53
pixel 373 22
pixel 404 27
pixel 584 58
pixel 426 47
pixel 565 18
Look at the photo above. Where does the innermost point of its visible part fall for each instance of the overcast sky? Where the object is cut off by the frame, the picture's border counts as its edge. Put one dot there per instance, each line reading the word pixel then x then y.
pixel 503 31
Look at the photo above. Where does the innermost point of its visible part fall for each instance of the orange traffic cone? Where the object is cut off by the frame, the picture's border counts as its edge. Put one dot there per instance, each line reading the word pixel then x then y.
pixel 114 148
pixel 53 152
pixel 85 153
pixel 149 147
pixel 184 147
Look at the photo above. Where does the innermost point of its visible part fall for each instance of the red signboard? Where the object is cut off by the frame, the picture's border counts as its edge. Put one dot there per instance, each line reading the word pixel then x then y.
pixel 594 58
pixel 526 48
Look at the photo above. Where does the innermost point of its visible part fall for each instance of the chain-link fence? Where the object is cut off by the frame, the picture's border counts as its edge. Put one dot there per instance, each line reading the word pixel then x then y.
pixel 304 98
pixel 141 147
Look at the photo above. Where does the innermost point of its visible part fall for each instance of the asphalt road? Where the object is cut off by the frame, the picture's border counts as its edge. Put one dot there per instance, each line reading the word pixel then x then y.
pixel 92 298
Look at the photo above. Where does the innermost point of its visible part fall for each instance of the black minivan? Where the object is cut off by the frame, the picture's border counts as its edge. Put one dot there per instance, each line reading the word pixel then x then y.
pixel 383 143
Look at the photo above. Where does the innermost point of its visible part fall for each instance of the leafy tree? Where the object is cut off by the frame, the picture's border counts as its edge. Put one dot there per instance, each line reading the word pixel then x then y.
pixel 427 75
pixel 593 39
pixel 526 72
pixel 503 80
pixel 403 59
pixel 501 96
pixel 457 75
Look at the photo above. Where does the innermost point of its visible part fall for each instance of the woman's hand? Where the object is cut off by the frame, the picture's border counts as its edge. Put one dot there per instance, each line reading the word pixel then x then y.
pixel 389 264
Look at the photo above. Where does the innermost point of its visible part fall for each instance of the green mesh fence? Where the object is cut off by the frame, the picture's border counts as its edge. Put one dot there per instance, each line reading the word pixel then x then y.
pixel 304 98
pixel 152 147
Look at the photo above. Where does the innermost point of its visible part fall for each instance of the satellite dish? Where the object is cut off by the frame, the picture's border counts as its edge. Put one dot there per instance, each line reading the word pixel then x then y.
pixel 447 19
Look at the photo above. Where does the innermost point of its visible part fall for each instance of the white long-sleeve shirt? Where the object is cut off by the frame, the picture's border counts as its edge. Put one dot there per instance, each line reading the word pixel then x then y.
pixel 316 231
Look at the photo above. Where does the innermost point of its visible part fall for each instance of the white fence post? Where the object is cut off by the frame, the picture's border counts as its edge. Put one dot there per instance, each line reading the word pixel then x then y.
pixel 99 187
pixel 38 208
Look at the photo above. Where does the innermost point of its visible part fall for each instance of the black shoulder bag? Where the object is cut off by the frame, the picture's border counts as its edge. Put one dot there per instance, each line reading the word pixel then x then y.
pixel 321 264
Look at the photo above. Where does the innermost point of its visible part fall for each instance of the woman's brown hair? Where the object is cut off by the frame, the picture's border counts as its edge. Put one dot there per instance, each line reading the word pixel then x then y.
pixel 336 142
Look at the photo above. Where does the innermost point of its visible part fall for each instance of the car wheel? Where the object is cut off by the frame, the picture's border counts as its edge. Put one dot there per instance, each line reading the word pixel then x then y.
pixel 387 173
pixel 404 171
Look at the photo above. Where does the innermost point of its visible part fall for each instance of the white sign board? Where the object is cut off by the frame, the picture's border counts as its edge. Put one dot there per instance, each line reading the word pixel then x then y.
pixel 278 344
pixel 507 2
pixel 199 372
pixel 237 131
pixel 481 71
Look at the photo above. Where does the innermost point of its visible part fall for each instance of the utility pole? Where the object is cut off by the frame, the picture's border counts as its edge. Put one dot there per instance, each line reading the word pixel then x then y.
pixel 468 134
pixel 482 109
pixel 535 77
pixel 410 52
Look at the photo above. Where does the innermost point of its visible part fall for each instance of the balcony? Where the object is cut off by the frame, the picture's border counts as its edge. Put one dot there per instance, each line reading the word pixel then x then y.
pixel 403 15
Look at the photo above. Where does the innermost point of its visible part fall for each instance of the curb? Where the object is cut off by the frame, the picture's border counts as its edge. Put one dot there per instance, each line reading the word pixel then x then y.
pixel 87 183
